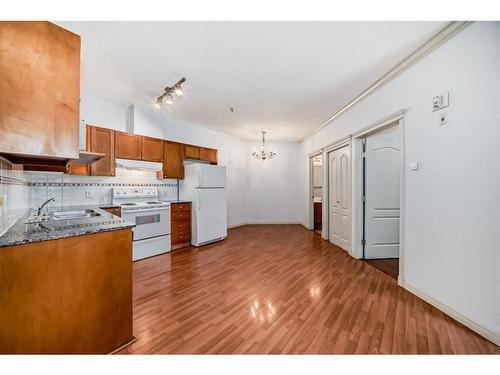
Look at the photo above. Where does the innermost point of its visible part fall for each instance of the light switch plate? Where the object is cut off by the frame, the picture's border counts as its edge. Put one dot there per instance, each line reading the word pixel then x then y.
pixel 440 101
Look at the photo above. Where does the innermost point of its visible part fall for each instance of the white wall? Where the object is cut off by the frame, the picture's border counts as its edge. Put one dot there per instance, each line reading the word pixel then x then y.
pixel 274 203
pixel 452 205
pixel 273 185
pixel 14 194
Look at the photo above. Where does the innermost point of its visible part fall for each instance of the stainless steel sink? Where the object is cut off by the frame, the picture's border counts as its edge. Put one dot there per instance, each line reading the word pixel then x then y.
pixel 62 215
pixel 77 214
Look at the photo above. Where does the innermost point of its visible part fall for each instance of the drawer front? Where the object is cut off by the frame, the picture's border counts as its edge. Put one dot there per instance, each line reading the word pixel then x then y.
pixel 183 226
pixel 177 207
pixel 180 237
pixel 180 215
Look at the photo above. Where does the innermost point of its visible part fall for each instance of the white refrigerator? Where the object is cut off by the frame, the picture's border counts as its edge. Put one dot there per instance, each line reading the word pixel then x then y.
pixel 205 186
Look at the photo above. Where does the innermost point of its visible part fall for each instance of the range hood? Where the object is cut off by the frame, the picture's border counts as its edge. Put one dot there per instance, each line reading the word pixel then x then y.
pixel 139 165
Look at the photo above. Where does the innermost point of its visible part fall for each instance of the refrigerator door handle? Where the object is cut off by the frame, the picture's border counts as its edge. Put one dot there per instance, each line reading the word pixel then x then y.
pixel 198 173
pixel 198 198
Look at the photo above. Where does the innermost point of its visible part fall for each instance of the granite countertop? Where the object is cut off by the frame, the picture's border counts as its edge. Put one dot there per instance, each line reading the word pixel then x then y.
pixel 109 205
pixel 21 233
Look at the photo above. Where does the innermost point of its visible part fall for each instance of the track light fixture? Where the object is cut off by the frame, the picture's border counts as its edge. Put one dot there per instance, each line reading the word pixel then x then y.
pixel 167 96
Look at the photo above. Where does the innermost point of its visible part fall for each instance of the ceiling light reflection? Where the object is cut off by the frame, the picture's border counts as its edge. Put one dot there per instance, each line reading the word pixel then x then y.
pixel 262 313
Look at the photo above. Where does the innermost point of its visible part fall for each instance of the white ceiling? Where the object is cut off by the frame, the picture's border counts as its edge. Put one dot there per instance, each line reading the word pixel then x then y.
pixel 284 77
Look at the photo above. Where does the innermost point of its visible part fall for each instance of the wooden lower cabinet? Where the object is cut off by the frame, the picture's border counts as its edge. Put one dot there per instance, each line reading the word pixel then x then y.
pixel 71 295
pixel 180 224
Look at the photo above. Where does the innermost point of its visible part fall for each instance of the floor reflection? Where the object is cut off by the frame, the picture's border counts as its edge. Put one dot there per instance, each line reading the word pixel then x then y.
pixel 262 312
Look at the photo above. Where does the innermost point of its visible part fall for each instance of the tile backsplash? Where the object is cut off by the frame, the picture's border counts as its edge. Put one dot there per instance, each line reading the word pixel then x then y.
pixel 14 193
pixel 71 190
pixel 22 190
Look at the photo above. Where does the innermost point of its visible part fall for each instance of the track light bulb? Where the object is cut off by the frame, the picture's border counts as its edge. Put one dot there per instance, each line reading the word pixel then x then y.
pixel 169 100
pixel 178 91
pixel 157 104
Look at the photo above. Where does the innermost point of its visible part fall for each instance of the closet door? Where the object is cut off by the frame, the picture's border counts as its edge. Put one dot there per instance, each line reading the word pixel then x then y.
pixel 339 197
pixel 382 180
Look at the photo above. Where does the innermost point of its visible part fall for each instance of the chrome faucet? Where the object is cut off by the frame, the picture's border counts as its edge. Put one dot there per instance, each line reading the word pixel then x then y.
pixel 40 208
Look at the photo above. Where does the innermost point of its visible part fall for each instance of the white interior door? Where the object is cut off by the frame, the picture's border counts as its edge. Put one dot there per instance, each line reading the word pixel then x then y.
pixel 339 198
pixel 382 180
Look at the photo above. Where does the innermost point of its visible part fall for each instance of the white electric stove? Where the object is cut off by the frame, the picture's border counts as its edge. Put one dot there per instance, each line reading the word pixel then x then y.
pixel 151 234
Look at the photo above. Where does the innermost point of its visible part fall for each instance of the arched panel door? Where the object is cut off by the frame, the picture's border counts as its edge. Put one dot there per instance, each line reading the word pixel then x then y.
pixel 339 197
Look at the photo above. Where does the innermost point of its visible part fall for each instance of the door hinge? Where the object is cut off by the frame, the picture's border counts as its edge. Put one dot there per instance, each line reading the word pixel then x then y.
pixel 363 154
pixel 363 242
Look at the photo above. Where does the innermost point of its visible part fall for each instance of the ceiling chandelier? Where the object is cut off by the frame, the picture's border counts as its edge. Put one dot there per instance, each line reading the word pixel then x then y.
pixel 264 152
pixel 170 93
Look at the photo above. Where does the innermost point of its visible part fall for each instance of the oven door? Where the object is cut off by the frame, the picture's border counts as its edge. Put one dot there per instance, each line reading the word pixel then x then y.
pixel 148 222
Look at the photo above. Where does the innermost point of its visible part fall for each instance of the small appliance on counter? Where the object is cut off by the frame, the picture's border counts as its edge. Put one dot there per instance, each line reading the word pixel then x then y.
pixel 151 234
pixel 205 186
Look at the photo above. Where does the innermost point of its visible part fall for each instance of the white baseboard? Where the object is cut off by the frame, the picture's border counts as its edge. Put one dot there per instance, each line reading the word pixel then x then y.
pixel 486 333
pixel 263 223
pixel 236 225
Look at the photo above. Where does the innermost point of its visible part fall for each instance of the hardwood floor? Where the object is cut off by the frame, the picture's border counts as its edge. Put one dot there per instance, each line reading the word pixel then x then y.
pixel 282 289
pixel 387 266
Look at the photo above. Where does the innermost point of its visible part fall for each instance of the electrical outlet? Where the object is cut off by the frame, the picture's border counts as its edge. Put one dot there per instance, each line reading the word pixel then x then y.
pixel 443 119
pixel 88 194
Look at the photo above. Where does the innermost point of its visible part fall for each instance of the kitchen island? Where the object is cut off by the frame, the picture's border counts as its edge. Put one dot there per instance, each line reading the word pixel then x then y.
pixel 66 285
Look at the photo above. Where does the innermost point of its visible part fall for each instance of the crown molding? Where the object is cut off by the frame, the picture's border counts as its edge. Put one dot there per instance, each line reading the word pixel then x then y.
pixel 445 34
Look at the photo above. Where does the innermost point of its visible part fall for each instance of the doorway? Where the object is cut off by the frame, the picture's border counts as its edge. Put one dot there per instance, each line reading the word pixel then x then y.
pixel 317 192
pixel 380 200
pixel 339 186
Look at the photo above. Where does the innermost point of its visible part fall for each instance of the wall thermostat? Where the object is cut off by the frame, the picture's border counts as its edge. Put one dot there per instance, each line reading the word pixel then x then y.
pixel 440 101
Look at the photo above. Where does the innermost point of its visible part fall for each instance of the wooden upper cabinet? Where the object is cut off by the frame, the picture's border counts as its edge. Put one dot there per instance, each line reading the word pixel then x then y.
pixel 102 140
pixel 128 146
pixel 208 154
pixel 191 152
pixel 39 90
pixel 78 169
pixel 152 149
pixel 173 160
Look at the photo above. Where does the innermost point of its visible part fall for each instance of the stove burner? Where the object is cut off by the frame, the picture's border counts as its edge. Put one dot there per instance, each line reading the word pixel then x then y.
pixel 128 204
pixel 153 203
